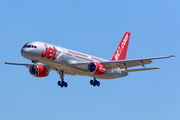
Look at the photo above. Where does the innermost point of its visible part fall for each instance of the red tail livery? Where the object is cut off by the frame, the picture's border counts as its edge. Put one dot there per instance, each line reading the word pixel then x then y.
pixel 121 50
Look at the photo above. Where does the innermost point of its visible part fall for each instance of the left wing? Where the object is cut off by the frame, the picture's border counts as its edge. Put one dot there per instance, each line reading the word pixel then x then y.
pixel 26 64
pixel 124 64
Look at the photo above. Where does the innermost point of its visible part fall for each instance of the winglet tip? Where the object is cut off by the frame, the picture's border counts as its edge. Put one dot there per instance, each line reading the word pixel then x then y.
pixel 172 56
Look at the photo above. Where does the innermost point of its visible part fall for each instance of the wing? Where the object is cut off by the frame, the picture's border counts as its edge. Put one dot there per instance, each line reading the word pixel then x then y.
pixel 124 64
pixel 23 64
pixel 47 66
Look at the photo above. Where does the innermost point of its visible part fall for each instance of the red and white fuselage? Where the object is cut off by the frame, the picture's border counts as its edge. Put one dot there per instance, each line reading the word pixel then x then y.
pixel 66 59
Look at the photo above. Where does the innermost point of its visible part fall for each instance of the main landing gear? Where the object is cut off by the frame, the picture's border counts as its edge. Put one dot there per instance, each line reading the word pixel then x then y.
pixel 62 83
pixel 95 82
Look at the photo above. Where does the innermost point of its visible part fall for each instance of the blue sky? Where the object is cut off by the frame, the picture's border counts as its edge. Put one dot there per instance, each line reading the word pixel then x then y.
pixel 93 27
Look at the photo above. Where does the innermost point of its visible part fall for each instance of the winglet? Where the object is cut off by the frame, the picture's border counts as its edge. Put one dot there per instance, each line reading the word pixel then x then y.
pixel 121 50
pixel 172 56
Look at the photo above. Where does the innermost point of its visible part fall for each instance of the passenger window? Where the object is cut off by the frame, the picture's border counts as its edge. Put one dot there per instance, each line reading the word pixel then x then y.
pixel 34 46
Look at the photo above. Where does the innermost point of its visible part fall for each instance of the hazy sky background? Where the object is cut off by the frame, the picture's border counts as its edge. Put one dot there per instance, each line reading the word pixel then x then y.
pixel 92 27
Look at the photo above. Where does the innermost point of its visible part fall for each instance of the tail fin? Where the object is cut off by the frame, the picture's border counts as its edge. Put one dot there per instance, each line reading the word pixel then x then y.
pixel 121 50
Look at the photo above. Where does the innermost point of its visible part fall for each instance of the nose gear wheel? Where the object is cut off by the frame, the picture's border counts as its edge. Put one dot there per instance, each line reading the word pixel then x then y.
pixel 62 83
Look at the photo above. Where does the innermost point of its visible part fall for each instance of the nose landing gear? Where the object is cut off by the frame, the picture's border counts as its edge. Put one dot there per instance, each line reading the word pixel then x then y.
pixel 62 83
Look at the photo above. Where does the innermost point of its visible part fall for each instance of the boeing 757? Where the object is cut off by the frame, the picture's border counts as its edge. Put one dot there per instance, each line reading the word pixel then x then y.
pixel 46 57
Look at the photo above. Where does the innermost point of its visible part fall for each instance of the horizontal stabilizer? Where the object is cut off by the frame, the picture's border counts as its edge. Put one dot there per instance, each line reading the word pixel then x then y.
pixel 142 69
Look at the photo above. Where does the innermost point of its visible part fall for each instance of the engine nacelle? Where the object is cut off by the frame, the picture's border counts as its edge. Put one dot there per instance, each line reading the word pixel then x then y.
pixel 38 71
pixel 96 68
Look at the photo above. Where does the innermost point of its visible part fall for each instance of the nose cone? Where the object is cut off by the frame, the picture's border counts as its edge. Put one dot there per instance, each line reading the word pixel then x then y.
pixel 30 50
pixel 25 52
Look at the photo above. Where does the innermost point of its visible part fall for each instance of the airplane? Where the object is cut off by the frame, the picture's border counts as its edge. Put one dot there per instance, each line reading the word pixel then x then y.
pixel 46 57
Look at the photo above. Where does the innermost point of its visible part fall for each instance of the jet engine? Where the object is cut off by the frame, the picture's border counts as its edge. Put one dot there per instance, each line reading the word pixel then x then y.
pixel 96 68
pixel 38 71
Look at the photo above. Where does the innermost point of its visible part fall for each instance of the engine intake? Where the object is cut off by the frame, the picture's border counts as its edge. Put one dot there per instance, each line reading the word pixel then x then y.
pixel 38 71
pixel 96 68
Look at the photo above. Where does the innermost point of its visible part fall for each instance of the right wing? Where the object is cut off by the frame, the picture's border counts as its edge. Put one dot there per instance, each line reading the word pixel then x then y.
pixel 124 64
pixel 132 62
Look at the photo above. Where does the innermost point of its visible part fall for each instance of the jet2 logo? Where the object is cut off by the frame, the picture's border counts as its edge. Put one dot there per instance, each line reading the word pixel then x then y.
pixel 118 52
pixel 49 53
pixel 121 47
pixel 124 41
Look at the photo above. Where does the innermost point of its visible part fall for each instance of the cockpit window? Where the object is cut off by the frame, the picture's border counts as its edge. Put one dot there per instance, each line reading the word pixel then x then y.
pixel 25 45
pixel 30 46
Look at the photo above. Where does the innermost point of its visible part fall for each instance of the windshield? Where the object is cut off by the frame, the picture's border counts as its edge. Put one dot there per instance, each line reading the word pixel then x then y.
pixel 29 46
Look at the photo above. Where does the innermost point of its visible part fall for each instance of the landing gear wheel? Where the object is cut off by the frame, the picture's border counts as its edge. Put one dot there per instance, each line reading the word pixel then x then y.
pixel 98 83
pixel 91 82
pixel 62 83
pixel 65 84
pixel 94 82
pixel 59 83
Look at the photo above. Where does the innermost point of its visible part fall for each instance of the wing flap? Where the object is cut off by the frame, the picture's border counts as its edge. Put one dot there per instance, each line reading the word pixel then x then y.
pixel 126 64
pixel 142 69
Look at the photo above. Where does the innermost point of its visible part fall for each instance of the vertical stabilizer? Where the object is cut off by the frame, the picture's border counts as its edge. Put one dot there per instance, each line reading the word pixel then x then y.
pixel 121 50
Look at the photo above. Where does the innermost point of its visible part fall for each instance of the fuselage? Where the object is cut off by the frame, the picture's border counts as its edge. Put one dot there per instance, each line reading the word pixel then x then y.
pixel 65 59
